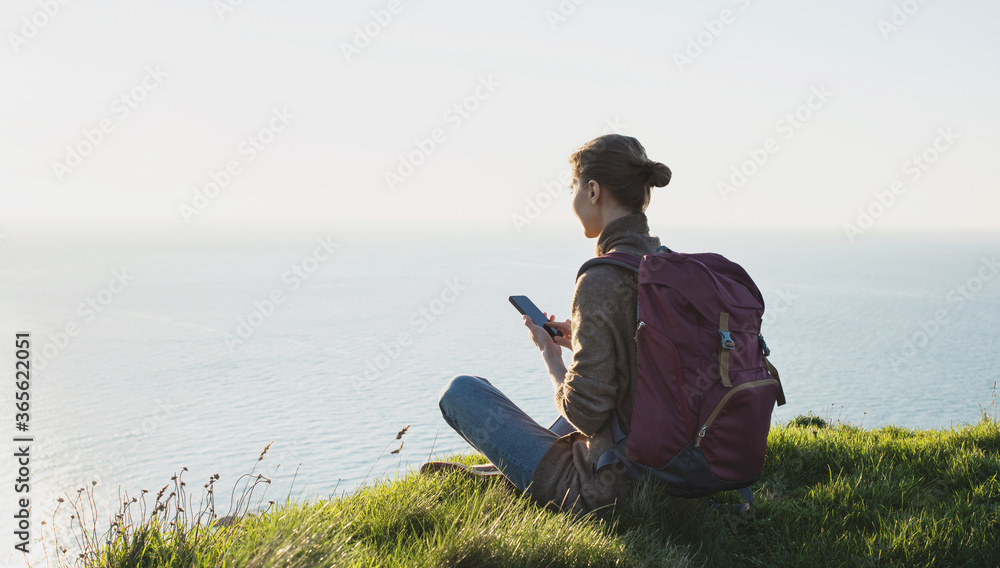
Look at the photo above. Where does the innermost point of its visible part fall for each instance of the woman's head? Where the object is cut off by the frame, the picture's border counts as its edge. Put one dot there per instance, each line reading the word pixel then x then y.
pixel 612 176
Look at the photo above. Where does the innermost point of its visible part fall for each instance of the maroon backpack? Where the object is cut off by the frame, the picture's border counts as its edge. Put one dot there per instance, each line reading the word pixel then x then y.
pixel 704 389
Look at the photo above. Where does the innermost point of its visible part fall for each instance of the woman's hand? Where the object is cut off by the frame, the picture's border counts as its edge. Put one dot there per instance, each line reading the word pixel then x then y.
pixel 546 343
pixel 564 327
pixel 551 347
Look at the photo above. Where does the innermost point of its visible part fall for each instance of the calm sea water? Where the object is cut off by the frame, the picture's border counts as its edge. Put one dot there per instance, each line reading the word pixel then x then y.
pixel 198 349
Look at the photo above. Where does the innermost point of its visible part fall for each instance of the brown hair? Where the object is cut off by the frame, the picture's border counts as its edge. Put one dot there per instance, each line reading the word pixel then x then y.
pixel 619 164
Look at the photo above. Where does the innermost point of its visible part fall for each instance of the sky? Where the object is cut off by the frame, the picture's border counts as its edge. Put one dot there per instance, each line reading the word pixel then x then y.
pixel 847 117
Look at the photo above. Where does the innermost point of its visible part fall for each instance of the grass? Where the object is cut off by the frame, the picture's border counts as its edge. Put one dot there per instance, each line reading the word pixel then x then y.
pixel 830 495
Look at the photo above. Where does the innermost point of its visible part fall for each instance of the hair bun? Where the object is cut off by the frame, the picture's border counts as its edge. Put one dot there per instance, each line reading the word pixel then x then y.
pixel 620 165
pixel 658 174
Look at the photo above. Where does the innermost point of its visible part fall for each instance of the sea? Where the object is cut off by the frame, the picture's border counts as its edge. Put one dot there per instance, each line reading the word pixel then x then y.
pixel 301 353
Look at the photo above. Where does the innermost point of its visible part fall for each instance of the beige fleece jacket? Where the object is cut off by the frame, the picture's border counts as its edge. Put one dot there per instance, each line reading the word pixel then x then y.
pixel 600 378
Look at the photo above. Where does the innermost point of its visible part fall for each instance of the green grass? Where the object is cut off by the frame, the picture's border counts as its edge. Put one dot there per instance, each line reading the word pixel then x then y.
pixel 830 495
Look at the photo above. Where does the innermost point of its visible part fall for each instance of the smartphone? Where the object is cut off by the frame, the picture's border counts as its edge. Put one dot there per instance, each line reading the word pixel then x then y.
pixel 528 308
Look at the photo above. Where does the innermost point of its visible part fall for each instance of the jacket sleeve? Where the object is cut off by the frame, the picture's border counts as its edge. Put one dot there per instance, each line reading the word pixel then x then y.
pixel 587 396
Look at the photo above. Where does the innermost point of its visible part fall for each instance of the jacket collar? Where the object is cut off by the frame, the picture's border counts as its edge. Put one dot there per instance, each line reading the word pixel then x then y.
pixel 622 231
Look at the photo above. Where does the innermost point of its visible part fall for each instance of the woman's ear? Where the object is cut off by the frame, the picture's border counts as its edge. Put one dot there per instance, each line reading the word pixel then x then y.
pixel 593 192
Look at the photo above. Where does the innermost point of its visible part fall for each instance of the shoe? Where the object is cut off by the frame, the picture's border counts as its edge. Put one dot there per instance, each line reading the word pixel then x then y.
pixel 480 470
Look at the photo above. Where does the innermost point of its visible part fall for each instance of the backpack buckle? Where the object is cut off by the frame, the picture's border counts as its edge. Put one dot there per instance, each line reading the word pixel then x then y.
pixel 727 340
pixel 763 345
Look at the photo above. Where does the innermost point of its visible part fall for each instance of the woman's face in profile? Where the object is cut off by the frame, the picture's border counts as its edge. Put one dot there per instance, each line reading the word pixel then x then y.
pixel 588 215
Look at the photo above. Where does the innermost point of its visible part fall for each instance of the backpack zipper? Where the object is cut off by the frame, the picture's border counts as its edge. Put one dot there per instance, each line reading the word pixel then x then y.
pixel 640 326
pixel 725 399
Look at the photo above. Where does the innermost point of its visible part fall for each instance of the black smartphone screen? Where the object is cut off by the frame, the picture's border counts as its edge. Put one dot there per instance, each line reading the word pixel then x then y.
pixel 528 308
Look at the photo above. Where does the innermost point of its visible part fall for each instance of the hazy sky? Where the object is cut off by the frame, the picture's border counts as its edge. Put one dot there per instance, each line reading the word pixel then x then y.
pixel 127 110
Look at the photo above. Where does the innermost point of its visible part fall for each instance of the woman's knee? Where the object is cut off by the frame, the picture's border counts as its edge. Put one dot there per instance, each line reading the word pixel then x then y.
pixel 460 387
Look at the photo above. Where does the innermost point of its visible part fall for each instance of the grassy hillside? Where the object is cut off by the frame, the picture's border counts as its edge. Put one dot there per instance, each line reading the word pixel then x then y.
pixel 829 496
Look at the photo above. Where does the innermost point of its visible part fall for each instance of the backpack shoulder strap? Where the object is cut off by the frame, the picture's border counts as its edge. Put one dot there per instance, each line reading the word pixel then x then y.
pixel 774 373
pixel 615 454
pixel 623 259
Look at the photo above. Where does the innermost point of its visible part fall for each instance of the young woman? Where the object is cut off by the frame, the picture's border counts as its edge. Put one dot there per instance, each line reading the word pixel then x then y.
pixel 612 179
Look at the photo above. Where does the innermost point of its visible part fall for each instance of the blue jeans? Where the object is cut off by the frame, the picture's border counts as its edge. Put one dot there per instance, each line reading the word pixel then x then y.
pixel 495 426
